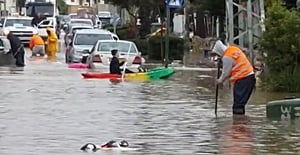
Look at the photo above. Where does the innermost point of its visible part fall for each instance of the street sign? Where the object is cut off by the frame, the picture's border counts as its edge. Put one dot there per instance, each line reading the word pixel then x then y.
pixel 115 20
pixel 174 4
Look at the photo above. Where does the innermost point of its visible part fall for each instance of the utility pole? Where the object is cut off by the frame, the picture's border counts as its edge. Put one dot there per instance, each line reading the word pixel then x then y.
pixel 167 38
pixel 97 6
pixel 5 13
pixel 245 26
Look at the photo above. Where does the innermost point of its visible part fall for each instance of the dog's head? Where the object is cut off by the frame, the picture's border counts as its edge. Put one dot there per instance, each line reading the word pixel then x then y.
pixel 89 147
pixel 124 143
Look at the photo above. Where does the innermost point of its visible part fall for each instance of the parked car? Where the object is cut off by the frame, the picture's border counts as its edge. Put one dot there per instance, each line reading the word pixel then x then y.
pixel 70 33
pixel 100 56
pixel 105 17
pixel 83 41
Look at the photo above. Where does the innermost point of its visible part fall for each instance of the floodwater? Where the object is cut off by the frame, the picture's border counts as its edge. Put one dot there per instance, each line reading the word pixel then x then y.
pixel 48 109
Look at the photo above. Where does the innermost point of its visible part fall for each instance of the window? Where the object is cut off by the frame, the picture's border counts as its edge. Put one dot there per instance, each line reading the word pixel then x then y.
pixel 84 22
pixel 72 1
pixel 133 49
pixel 18 22
pixel 108 46
pixel 90 39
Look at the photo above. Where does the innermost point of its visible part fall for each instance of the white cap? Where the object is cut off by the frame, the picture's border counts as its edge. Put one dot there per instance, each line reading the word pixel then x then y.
pixel 5 32
pixel 35 31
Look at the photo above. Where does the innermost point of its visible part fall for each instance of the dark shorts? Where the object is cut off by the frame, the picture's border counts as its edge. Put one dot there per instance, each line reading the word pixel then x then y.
pixel 242 91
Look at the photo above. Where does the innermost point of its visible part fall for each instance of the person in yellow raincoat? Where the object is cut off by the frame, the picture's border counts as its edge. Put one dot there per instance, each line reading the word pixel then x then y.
pixel 51 44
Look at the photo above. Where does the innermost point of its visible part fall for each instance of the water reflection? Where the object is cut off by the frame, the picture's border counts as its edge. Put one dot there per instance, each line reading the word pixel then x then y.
pixel 237 136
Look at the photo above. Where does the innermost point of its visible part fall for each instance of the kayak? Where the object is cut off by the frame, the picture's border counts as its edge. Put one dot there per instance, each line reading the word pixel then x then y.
pixel 154 74
pixel 78 66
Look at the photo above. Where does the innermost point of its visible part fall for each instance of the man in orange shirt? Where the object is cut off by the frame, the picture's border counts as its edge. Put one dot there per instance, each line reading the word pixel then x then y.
pixel 37 45
pixel 239 70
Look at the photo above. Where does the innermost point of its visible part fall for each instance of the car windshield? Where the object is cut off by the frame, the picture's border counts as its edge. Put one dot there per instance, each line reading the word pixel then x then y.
pixel 90 39
pixel 18 22
pixel 108 46
pixel 104 14
pixel 33 8
pixel 87 22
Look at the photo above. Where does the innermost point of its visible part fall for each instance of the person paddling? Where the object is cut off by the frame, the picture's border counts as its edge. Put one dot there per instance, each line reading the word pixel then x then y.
pixel 239 70
pixel 114 66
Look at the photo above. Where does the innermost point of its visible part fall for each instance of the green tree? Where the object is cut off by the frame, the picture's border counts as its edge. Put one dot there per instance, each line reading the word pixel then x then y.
pixel 213 6
pixel 281 43
pixel 142 9
pixel 62 6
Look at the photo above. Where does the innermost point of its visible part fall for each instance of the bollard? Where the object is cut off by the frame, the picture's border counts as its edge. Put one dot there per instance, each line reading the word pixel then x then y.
pixel 206 54
pixel 288 109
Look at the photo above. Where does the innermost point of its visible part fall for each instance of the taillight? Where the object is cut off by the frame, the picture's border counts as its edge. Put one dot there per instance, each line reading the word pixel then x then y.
pixel 137 60
pixel 96 58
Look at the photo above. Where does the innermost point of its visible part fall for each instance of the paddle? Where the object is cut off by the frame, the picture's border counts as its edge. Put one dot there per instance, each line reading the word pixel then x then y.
pixel 125 64
pixel 217 87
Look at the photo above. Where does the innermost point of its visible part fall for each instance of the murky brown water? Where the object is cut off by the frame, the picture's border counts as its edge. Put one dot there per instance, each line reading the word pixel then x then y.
pixel 49 109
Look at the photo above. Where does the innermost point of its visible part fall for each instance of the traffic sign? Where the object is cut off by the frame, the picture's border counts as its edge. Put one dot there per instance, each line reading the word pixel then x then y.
pixel 174 4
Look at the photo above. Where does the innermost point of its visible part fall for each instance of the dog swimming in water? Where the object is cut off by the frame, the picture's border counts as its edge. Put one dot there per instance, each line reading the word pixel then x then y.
pixel 90 147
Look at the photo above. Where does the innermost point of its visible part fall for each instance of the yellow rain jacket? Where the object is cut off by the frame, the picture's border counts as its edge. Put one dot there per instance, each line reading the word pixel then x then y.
pixel 52 45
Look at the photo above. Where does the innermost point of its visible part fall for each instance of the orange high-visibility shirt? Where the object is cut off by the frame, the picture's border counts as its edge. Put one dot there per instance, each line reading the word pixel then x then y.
pixel 241 66
pixel 35 40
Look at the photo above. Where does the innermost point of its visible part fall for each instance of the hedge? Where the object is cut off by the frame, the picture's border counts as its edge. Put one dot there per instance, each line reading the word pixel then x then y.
pixel 152 45
pixel 176 50
pixel 280 42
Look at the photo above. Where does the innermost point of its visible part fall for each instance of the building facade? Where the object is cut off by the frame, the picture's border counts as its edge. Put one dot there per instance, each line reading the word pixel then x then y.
pixel 9 5
pixel 83 2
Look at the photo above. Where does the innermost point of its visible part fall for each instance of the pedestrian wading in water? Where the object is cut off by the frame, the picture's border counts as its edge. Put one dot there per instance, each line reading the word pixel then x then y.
pixel 17 48
pixel 238 69
pixel 51 45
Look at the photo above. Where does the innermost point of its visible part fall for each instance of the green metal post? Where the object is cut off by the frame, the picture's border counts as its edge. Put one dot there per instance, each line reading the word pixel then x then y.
pixel 167 39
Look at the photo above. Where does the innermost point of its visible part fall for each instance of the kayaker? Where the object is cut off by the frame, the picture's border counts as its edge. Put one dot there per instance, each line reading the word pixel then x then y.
pixel 240 72
pixel 37 45
pixel 114 66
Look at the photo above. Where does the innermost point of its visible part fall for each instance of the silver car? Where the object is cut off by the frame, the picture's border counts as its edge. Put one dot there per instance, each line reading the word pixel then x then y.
pixel 83 41
pixel 71 32
pixel 100 56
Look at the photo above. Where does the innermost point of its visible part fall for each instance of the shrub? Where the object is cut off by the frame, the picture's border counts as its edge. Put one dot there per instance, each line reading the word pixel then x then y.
pixel 142 45
pixel 176 50
pixel 281 42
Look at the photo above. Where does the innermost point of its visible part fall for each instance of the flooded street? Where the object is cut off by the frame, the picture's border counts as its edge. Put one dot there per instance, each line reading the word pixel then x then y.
pixel 48 109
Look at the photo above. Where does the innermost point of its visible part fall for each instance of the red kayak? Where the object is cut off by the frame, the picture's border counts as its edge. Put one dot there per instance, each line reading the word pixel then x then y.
pixel 100 76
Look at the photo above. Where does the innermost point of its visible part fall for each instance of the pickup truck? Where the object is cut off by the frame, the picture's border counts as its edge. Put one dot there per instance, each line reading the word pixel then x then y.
pixel 19 26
